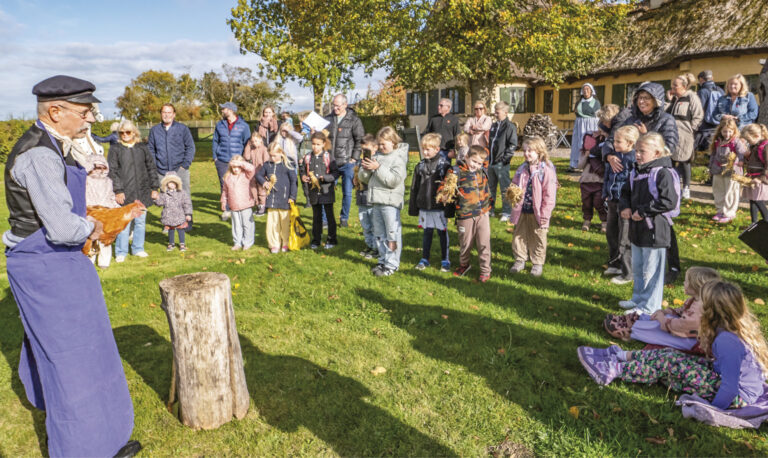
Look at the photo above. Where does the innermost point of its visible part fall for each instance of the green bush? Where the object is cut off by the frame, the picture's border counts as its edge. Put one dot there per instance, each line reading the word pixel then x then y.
pixel 10 131
pixel 372 124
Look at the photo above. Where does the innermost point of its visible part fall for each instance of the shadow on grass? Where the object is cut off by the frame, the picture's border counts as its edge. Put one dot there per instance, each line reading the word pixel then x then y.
pixel 538 371
pixel 10 346
pixel 149 354
pixel 291 392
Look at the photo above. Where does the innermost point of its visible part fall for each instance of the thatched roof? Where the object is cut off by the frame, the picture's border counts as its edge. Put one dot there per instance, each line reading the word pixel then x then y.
pixel 684 29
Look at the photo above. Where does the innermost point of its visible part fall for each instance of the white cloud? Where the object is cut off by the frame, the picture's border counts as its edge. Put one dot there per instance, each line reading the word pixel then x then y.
pixel 111 66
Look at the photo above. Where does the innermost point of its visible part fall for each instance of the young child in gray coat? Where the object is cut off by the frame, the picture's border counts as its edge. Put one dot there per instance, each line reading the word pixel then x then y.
pixel 177 209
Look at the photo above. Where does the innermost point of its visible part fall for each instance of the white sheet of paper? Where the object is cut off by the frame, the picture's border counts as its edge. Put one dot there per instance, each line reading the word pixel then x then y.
pixel 315 121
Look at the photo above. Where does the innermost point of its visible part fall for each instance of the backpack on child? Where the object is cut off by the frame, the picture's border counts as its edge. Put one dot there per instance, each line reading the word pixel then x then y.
pixel 652 175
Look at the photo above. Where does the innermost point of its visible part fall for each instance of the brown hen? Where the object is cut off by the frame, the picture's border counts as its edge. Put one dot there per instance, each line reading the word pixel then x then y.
pixel 114 221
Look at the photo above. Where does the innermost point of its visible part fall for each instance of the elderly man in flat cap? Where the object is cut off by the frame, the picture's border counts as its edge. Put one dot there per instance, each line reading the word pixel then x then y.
pixel 69 363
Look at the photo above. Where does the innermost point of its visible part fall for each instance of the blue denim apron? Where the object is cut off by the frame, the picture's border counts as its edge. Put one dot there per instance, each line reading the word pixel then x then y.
pixel 69 364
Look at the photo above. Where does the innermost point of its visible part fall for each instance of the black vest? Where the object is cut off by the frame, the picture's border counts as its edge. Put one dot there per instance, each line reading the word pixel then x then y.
pixel 23 217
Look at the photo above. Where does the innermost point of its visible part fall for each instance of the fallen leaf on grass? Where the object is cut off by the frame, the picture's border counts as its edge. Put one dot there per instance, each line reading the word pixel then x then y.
pixel 616 410
pixel 597 248
pixel 569 217
pixel 678 302
pixel 650 418
pixel 748 445
pixel 755 268
pixel 445 317
pixel 575 275
pixel 124 305
pixel 378 370
pixel 671 432
pixel 759 301
pixel 330 273
pixel 595 415
pixel 656 440
pixel 694 245
pixel 474 307
pixel 338 320
pixel 595 297
pixel 570 245
pixel 574 411
pixel 237 285
pixel 447 372
pixel 684 234
pixel 665 303
pixel 731 249
pixel 152 304
pixel 333 297
pixel 269 267
pixel 743 251
pixel 148 344
pixel 501 351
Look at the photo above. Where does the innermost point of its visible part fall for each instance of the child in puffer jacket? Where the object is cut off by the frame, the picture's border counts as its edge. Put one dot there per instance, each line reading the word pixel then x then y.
pixel 385 175
pixel 177 209
pixel 237 195
pixel 617 230
pixel 99 193
pixel 538 180
pixel 427 176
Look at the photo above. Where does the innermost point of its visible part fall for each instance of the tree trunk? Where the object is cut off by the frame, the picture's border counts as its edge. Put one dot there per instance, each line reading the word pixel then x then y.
pixel 208 366
pixel 318 89
pixel 482 89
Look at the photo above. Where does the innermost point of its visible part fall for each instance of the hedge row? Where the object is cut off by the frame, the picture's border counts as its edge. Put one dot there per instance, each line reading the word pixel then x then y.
pixel 10 131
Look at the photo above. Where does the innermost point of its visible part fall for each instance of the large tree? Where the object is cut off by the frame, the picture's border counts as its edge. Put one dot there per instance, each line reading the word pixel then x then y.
pixel 483 42
pixel 197 98
pixel 315 42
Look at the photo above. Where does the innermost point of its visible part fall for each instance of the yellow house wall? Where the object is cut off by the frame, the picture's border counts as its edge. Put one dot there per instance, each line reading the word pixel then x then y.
pixel 722 69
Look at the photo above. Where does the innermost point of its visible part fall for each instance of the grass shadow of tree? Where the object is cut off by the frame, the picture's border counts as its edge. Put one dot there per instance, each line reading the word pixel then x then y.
pixel 149 354
pixel 290 392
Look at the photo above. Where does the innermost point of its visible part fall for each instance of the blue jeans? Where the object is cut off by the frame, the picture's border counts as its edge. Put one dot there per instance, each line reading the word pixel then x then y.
pixel 139 229
pixel 346 173
pixel 648 266
pixel 243 228
pixel 388 228
pixel 498 175
pixel 221 169
pixel 365 214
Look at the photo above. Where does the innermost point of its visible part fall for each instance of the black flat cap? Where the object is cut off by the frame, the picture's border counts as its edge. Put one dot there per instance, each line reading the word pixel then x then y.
pixel 63 87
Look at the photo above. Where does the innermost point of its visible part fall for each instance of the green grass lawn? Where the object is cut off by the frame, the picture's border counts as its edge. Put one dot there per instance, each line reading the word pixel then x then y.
pixel 469 366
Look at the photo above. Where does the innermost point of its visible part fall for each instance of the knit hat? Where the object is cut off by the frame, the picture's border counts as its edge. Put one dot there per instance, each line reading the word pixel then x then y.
pixel 170 177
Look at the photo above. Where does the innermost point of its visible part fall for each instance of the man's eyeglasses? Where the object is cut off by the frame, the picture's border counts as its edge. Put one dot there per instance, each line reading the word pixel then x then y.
pixel 83 114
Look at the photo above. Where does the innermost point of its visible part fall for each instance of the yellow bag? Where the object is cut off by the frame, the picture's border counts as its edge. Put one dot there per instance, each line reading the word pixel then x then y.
pixel 299 237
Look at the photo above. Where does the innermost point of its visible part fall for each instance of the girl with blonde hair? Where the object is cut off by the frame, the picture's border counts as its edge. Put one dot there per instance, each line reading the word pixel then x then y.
pixel 537 179
pixel 732 373
pixel 726 159
pixel 278 177
pixel 755 161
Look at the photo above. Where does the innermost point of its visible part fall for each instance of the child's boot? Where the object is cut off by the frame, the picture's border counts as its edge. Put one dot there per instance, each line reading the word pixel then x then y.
pixel 517 267
pixel 585 225
pixel 602 369
pixel 537 270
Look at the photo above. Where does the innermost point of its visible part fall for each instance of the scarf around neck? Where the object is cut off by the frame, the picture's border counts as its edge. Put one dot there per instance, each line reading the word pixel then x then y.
pixel 68 146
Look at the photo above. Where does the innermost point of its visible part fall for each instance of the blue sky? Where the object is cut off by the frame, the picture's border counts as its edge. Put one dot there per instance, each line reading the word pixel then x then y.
pixel 111 42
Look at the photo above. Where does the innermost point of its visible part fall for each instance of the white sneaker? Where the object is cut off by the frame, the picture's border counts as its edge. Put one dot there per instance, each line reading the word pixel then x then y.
pixel 634 310
pixel 621 280
pixel 686 193
pixel 612 271
pixel 225 215
pixel 141 254
pixel 504 218
pixel 627 304
pixel 119 258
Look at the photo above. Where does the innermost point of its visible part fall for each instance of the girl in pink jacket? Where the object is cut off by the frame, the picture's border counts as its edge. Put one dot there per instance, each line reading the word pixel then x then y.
pixel 237 194
pixel 538 181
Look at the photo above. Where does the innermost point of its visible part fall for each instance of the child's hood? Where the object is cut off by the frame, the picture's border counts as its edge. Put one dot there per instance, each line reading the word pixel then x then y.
pixel 92 160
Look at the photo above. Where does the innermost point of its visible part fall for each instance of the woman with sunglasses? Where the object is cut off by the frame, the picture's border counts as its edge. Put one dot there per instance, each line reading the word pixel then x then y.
pixel 478 126
pixel 134 177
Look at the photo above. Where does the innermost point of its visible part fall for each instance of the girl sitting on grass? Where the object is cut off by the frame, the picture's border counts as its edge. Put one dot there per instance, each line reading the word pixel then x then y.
pixel 673 327
pixel 732 373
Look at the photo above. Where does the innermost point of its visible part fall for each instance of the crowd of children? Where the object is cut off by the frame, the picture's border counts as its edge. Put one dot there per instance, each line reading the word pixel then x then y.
pixel 710 346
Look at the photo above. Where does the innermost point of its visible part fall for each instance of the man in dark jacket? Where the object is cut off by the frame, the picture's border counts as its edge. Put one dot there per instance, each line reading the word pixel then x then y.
pixel 709 93
pixel 503 142
pixel 346 134
pixel 446 124
pixel 172 146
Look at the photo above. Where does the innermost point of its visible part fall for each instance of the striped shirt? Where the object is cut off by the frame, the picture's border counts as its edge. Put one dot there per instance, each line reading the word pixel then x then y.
pixel 41 172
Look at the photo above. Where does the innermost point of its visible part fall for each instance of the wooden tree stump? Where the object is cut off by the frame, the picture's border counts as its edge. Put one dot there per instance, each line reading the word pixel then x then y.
pixel 208 370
